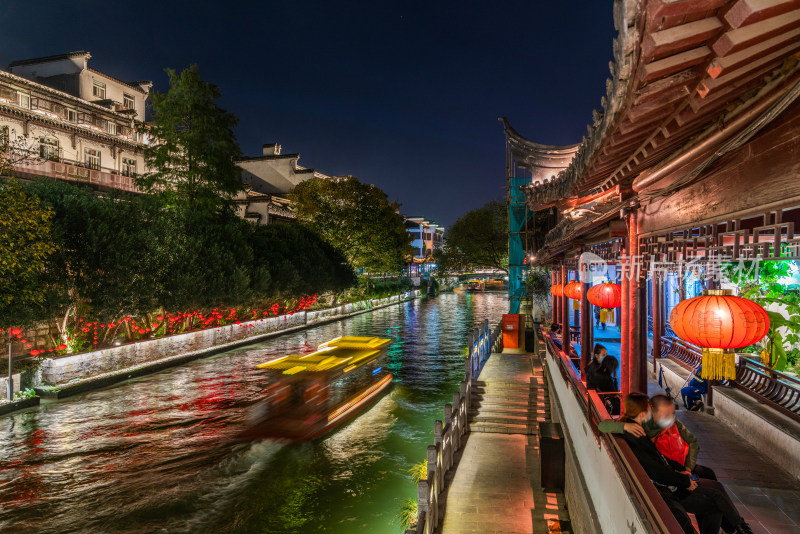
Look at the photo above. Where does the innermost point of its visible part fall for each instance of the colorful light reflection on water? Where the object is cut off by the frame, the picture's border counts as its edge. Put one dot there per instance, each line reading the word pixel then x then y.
pixel 158 454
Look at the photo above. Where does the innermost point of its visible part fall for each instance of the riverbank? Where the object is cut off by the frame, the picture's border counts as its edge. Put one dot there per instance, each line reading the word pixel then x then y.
pixel 72 375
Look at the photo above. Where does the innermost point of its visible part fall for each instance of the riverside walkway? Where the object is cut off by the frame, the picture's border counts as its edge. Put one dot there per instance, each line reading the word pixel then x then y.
pixel 496 485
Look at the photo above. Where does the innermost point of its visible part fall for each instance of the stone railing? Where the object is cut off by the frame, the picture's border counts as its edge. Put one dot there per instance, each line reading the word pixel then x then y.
pixel 450 435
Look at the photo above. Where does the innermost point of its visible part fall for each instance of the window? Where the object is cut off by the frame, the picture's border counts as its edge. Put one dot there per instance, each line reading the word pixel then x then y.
pixel 4 138
pixel 91 158
pixel 129 167
pixel 128 101
pixel 25 100
pixel 112 128
pixel 48 148
pixel 99 90
pixel 72 115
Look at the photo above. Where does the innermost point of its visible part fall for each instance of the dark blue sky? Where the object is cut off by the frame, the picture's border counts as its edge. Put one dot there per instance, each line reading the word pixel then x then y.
pixel 405 95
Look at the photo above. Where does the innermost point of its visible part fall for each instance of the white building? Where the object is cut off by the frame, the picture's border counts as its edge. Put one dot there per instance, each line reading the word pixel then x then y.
pixel 77 123
pixel 427 236
pixel 273 173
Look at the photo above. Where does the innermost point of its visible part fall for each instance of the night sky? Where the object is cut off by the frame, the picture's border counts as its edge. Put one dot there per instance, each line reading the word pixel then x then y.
pixel 405 95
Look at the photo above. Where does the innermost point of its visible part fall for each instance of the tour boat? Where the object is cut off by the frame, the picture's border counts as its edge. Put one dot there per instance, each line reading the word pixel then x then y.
pixel 476 285
pixel 309 395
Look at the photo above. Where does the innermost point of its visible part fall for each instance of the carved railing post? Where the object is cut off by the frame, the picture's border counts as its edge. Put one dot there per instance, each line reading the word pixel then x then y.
pixel 437 432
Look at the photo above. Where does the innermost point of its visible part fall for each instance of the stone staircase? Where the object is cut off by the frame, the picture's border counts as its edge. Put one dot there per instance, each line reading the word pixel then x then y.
pixel 509 405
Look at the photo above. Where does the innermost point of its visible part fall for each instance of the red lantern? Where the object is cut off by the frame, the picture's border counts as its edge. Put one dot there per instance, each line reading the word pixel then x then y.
pixel 574 290
pixel 719 322
pixel 605 295
pixel 557 290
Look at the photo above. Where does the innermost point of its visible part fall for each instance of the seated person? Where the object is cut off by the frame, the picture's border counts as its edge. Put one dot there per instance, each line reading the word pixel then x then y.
pixel 707 499
pixel 555 328
pixel 693 393
pixel 598 353
pixel 670 437
pixel 604 380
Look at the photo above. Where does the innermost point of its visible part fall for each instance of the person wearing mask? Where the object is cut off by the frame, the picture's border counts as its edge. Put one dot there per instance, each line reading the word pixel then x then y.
pixel 670 437
pixel 604 380
pixel 598 354
pixel 707 499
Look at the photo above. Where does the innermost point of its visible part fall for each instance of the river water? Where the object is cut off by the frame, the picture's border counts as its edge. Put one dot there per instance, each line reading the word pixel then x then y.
pixel 159 454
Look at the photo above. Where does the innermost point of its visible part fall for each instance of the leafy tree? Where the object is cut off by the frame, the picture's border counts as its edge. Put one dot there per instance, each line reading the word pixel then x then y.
pixel 25 246
pixel 194 149
pixel 480 238
pixel 357 219
pixel 298 262
pixel 761 282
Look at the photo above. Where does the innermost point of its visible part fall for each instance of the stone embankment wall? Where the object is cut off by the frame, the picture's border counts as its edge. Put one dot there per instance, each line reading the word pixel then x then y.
pixel 61 371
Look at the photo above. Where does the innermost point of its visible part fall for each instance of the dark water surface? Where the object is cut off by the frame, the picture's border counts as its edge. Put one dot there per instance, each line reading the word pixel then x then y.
pixel 158 454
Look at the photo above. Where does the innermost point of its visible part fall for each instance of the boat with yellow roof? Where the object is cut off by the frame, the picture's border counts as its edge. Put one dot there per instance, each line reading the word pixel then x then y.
pixel 308 395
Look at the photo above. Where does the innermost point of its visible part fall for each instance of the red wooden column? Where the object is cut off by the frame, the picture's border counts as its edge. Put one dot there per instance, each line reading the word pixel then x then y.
pixel 565 342
pixel 637 357
pixel 624 313
pixel 554 276
pixel 586 321
pixel 658 317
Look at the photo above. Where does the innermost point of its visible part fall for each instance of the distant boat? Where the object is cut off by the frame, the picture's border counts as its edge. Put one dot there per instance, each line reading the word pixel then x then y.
pixel 474 286
pixel 310 395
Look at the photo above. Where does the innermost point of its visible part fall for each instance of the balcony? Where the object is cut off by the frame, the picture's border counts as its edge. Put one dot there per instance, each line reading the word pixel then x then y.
pixel 76 173
pixel 127 132
pixel 93 121
pixel 48 107
pixel 8 94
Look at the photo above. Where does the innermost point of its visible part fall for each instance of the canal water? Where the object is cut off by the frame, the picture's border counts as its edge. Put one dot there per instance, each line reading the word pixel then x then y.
pixel 159 454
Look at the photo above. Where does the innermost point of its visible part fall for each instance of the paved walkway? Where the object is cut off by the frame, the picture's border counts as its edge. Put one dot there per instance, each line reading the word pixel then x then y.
pixel 766 496
pixel 496 485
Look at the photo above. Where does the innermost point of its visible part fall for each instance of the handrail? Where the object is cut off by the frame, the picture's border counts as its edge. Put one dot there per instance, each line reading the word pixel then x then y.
pixel 450 436
pixel 766 385
pixel 653 508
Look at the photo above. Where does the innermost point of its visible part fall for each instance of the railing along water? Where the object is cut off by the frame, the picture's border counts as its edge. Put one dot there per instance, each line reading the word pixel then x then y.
pixel 645 499
pixel 450 434
pixel 770 387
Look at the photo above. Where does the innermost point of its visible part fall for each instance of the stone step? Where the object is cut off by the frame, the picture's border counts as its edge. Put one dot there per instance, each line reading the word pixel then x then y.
pixel 507 420
pixel 504 408
pixel 499 384
pixel 496 428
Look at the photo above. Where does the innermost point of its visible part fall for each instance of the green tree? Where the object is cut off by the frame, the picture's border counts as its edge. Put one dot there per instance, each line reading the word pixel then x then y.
pixel 194 149
pixel 479 239
pixel 357 219
pixel 25 245
pixel 298 262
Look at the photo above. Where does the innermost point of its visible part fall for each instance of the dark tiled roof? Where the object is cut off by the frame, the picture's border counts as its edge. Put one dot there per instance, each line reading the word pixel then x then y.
pixel 135 88
pixel 45 59
pixel 278 156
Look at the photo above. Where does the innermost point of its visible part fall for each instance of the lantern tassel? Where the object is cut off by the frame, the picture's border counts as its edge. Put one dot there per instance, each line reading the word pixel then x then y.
pixel 718 364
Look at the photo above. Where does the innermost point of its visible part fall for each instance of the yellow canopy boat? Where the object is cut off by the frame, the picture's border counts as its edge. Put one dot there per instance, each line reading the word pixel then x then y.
pixel 310 394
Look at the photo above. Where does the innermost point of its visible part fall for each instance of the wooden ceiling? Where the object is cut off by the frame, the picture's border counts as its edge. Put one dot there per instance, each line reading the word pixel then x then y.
pixel 679 66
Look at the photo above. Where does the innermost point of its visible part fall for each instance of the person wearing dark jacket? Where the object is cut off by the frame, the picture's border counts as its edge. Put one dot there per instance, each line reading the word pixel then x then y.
pixel 598 354
pixel 707 499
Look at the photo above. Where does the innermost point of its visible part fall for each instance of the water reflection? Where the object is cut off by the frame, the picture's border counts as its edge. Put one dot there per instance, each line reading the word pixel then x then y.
pixel 159 454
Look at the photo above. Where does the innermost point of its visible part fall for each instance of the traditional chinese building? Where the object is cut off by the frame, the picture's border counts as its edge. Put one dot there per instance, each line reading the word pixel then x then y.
pixel 692 161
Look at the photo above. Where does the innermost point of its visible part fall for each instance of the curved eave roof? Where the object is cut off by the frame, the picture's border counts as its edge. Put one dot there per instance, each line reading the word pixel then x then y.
pixel 679 68
pixel 529 154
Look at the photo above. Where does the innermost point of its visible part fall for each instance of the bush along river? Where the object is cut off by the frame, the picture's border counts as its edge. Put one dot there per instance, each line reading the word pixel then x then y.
pixel 160 454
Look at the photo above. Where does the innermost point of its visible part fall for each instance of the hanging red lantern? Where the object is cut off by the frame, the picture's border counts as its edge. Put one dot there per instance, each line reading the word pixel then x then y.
pixel 719 322
pixel 605 295
pixel 557 290
pixel 574 290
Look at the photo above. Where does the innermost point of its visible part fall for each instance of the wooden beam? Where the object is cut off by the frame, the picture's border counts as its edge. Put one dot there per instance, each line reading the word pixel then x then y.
pixel 726 65
pixel 754 68
pixel 665 86
pixel 672 64
pixel 746 12
pixel 741 38
pixel 657 45
pixel 670 8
